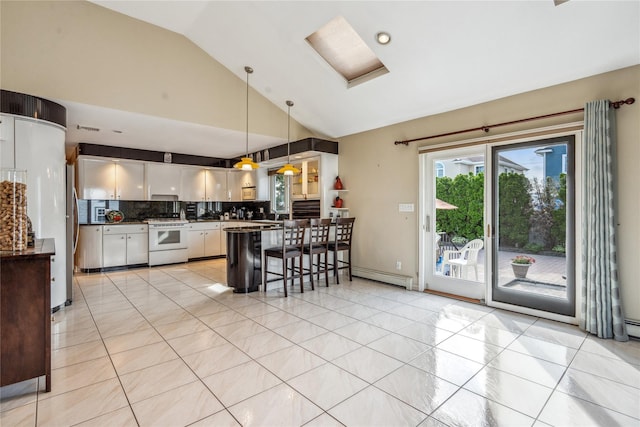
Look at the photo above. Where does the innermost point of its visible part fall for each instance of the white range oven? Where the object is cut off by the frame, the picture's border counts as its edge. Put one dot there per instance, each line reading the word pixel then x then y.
pixel 167 241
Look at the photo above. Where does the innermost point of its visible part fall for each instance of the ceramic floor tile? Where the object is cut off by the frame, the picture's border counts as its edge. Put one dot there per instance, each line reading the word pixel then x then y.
pixel 557 333
pixel 388 321
pixel 122 417
pixel 180 406
pixel 469 409
pixel 528 367
pixel 417 388
pixel 498 386
pixel 613 369
pixel 451 367
pixel 551 352
pixel 425 333
pixel 262 344
pixel 362 333
pixel 507 321
pixel 219 419
pixel 432 422
pixel 565 410
pixel 119 327
pixel 331 320
pixel 278 406
pixel 222 318
pixel 299 331
pixel 276 319
pixel 601 391
pixel 627 351
pixel 73 377
pixel 358 311
pixel 217 359
pixel 67 339
pixel 241 382
pixel 82 404
pixel 194 343
pixel 132 340
pixel 18 394
pixel 330 346
pixel 399 347
pixel 469 348
pixel 77 353
pixel 21 416
pixel 488 334
pixel 367 364
pixel 254 310
pixel 149 382
pixel 388 411
pixel 241 329
pixel 182 328
pixel 324 420
pixel 290 362
pixel 142 357
pixel 327 385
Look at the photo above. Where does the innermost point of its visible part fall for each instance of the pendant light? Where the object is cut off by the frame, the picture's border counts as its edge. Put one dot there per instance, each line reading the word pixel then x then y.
pixel 289 169
pixel 245 163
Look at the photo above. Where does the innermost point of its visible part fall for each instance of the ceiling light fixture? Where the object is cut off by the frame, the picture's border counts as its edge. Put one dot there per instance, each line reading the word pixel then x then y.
pixel 289 169
pixel 383 37
pixel 246 163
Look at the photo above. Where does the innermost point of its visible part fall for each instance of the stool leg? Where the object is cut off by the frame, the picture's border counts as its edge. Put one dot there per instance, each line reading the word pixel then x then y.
pixel 301 271
pixel 284 275
pixel 311 269
pixel 350 263
pixel 326 269
pixel 336 269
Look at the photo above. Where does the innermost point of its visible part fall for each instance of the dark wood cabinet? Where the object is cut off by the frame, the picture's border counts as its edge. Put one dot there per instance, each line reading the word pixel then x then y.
pixel 25 316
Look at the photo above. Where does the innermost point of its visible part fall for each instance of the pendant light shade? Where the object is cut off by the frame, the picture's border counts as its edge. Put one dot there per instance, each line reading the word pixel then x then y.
pixel 289 169
pixel 245 163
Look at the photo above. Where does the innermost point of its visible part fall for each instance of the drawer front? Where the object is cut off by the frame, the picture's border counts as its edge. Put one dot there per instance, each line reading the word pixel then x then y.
pixel 125 229
pixel 201 226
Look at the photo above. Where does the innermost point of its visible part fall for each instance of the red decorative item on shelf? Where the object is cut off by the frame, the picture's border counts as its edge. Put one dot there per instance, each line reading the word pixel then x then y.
pixel 338 184
pixel 338 202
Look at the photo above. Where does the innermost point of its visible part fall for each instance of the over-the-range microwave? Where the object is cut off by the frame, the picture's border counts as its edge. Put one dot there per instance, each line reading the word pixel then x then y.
pixel 248 193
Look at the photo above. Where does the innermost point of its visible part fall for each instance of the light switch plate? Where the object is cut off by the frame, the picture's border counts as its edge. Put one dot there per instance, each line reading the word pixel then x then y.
pixel 405 207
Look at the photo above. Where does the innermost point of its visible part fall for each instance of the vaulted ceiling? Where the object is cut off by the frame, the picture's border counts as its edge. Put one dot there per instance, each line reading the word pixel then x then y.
pixel 443 55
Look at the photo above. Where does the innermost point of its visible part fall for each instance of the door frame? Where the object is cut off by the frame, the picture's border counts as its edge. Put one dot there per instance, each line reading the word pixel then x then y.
pixel 575 128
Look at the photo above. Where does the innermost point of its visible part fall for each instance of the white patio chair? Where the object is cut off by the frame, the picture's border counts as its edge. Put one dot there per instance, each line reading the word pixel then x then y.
pixel 460 261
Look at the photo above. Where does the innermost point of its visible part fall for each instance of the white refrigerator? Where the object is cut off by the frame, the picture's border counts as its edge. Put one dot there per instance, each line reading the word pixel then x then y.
pixel 38 148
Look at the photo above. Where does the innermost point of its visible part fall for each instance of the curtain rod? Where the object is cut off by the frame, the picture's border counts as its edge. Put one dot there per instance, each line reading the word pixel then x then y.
pixel 486 128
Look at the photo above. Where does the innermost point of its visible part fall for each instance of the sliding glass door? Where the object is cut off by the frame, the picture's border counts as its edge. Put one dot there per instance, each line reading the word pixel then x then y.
pixel 454 252
pixel 498 223
pixel 532 213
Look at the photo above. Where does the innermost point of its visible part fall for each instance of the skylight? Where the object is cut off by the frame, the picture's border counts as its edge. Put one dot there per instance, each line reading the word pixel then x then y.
pixel 341 46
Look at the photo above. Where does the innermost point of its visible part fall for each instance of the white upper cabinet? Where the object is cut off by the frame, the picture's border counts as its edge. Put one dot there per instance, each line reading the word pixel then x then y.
pixel 129 180
pixel 110 179
pixel 193 187
pixel 7 149
pixel 163 181
pixel 200 184
pixel 236 180
pixel 216 185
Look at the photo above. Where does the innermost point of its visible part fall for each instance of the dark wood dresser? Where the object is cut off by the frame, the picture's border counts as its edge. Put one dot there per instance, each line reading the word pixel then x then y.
pixel 25 313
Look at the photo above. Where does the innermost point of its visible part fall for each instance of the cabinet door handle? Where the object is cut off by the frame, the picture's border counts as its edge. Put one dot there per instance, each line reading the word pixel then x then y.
pixel 122 237
pixel 201 234
pixel 128 237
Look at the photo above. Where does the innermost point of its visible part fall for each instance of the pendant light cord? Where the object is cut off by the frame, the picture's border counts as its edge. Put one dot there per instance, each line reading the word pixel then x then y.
pixel 289 105
pixel 249 70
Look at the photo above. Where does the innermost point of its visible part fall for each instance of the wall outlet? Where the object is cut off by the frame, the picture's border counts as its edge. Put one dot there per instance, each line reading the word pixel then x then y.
pixel 398 265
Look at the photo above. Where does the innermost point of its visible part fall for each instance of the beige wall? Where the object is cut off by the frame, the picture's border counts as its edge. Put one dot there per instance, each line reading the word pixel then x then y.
pixel 380 175
pixel 77 51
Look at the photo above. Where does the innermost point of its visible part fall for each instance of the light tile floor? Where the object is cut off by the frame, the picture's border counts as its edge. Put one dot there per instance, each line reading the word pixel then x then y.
pixel 165 346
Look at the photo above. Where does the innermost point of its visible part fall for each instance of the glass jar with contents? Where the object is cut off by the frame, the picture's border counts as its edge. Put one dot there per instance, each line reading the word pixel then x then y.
pixel 13 210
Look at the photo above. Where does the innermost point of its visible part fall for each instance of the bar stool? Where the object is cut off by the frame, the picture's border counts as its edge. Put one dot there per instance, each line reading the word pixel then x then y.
pixel 292 248
pixel 341 243
pixel 318 245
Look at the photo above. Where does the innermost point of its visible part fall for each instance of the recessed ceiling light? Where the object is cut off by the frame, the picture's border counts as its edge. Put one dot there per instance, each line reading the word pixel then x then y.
pixel 383 37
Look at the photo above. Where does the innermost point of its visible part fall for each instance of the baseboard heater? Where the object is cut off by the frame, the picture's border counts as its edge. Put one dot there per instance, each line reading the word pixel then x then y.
pixel 381 276
pixel 633 328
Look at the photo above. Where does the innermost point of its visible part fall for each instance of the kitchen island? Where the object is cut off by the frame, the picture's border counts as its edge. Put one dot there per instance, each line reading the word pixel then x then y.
pixel 244 255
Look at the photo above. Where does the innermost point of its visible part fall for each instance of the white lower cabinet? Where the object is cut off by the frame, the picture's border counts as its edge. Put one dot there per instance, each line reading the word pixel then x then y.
pixel 125 245
pixel 89 253
pixel 204 239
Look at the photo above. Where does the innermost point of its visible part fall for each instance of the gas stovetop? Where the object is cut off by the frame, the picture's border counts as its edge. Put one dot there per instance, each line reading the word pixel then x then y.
pixel 166 221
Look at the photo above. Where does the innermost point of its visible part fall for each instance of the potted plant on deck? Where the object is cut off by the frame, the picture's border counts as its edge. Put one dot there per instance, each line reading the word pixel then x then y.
pixel 520 265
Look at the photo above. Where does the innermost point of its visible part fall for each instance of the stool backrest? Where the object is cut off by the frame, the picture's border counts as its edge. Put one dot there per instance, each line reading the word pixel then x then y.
pixel 293 232
pixel 344 230
pixel 319 231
